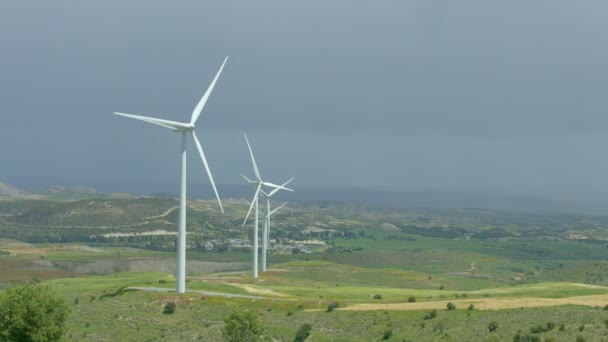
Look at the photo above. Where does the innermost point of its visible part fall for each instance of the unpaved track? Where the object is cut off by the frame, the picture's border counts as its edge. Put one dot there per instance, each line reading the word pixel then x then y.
pixel 486 303
pixel 209 293
pixel 258 291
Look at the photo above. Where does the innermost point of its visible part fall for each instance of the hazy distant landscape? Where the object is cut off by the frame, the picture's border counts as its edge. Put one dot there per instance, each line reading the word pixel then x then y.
pixel 386 268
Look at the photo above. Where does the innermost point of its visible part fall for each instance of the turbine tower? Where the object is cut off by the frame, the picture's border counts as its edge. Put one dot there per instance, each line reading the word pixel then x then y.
pixel 267 222
pixel 185 129
pixel 258 183
pixel 269 213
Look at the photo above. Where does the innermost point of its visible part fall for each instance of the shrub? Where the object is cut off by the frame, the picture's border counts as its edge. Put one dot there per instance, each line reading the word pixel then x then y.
pixel 169 308
pixel 332 306
pixel 562 327
pixel 451 306
pixel 430 315
pixel 441 287
pixel 580 339
pixel 411 299
pixel 606 307
pixel 32 313
pixel 303 333
pixel 525 338
pixel 162 281
pixel 581 327
pixel 542 328
pixel 471 307
pixel 243 325
pixel 493 326
pixel 377 296
pixel 387 334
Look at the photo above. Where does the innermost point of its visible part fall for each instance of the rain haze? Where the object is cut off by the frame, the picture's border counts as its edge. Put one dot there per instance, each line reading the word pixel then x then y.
pixel 495 98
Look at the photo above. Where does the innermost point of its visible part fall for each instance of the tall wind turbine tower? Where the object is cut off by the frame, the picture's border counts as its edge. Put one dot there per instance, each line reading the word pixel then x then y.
pixel 258 183
pixel 269 213
pixel 185 129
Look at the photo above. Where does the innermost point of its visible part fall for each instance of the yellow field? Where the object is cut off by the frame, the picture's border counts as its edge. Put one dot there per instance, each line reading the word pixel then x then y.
pixel 486 303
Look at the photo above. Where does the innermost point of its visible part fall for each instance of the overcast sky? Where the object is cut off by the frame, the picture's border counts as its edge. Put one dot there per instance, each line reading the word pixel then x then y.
pixel 499 97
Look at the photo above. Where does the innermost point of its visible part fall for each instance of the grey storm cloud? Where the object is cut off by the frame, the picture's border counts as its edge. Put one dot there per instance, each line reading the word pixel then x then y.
pixel 493 96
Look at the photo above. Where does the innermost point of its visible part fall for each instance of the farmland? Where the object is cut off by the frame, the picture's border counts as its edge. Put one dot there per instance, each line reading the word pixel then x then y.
pixel 385 269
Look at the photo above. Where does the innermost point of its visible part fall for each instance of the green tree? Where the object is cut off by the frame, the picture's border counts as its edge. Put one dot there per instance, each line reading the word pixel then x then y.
pixel 32 313
pixel 243 326
pixel 303 333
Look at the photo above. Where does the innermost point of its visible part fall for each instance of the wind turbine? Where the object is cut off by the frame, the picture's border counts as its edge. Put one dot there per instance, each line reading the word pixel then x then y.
pixel 267 221
pixel 184 129
pixel 266 232
pixel 258 183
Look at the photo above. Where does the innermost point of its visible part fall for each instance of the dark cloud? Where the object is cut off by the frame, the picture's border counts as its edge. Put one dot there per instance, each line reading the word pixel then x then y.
pixel 476 95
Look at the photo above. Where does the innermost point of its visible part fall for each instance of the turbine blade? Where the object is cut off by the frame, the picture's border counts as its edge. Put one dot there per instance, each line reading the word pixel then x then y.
pixel 200 151
pixel 201 104
pixel 247 179
pixel 283 185
pixel 165 123
pixel 272 185
pixel 255 166
pixel 276 209
pixel 255 198
pixel 246 201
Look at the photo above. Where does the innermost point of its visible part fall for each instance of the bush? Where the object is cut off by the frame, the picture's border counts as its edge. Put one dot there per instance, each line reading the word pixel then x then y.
pixel 303 333
pixel 580 339
pixel 451 306
pixel 562 327
pixel 471 307
pixel 169 308
pixel 542 328
pixel 377 296
pixel 411 300
pixel 525 338
pixel 243 325
pixel 493 326
pixel 332 306
pixel 430 315
pixel 387 334
pixel 32 313
pixel 162 281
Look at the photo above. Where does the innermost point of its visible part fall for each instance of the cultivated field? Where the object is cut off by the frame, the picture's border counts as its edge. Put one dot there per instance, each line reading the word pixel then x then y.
pixel 388 280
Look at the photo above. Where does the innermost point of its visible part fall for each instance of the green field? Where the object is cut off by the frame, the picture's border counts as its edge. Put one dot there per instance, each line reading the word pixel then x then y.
pixel 385 277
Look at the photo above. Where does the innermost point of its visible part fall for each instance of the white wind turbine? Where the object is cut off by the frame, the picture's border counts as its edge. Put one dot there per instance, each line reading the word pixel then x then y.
pixel 184 129
pixel 267 222
pixel 258 183
pixel 269 213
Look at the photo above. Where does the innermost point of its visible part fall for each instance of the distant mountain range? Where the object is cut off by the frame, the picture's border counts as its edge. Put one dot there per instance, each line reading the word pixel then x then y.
pixel 396 198
pixel 9 190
